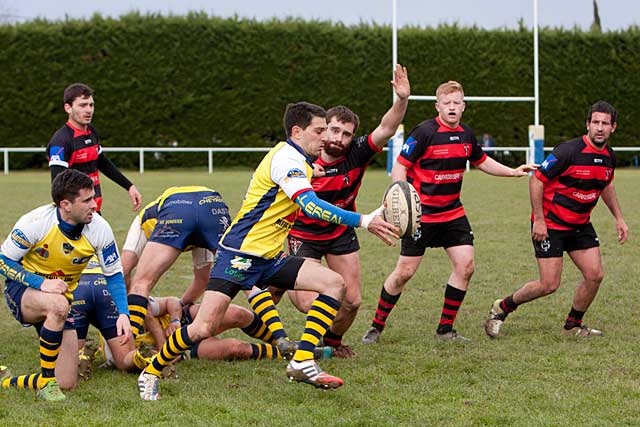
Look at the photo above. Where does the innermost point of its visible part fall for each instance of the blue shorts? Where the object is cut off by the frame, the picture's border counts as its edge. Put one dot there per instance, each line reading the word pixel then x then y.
pixel 92 305
pixel 191 219
pixel 13 292
pixel 244 271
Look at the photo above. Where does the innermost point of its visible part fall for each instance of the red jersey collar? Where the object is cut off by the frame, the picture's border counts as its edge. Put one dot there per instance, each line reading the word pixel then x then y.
pixel 592 146
pixel 78 132
pixel 457 129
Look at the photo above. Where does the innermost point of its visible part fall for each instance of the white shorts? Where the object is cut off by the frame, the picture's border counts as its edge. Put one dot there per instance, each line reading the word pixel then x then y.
pixel 136 241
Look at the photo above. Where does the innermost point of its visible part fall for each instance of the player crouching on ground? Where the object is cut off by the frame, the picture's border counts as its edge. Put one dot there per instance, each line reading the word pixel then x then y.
pixel 42 260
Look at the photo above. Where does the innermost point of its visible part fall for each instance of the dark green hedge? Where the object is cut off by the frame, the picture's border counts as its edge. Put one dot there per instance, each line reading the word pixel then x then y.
pixel 206 81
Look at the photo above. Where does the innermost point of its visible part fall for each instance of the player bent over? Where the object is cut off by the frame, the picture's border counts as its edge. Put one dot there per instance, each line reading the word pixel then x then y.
pixel 251 253
pixel 563 193
pixel 42 260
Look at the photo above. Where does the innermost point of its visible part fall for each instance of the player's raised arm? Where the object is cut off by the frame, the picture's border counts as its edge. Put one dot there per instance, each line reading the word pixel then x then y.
pixel 393 117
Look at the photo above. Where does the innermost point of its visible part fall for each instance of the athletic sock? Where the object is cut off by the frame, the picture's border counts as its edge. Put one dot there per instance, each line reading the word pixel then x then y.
pixel 453 298
pixel 262 304
pixel 173 347
pixel 574 319
pixel 140 361
pixel 50 342
pixel 385 305
pixel 508 305
pixel 332 340
pixel 23 381
pixel 258 329
pixel 319 320
pixel 137 313
pixel 264 351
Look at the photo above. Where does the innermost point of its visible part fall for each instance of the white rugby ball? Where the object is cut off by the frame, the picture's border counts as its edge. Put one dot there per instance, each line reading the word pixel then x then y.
pixel 401 207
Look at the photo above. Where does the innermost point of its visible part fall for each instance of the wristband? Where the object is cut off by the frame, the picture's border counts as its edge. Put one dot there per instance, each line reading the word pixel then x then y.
pixel 174 321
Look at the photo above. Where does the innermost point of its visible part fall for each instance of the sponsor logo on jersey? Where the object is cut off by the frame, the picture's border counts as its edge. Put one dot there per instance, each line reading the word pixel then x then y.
pixel 332 171
pixel 224 222
pixel 42 251
pixel 596 160
pixel 88 141
pixel 409 145
pixel 240 263
pixel 210 199
pixel 19 239
pixel 296 173
pixel 178 202
pixel 454 138
pixel 56 154
pixel 81 260
pixel 166 231
pixel 548 162
pixel 67 248
pixel 110 254
pixel 583 196
pixel 219 211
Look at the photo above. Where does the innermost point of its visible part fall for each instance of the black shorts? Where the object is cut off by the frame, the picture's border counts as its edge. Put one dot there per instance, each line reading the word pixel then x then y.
pixel 344 244
pixel 560 241
pixel 232 273
pixel 438 235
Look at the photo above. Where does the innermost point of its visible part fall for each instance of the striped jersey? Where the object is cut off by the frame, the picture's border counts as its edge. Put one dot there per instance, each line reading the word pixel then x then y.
pixel 79 149
pixel 39 244
pixel 339 187
pixel 574 175
pixel 436 157
pixel 268 210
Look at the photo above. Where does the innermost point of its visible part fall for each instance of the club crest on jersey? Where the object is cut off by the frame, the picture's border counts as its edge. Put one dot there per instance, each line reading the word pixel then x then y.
pixel 548 162
pixel 294 245
pixel 240 263
pixel 19 239
pixel 607 173
pixel 67 248
pixel 295 173
pixel 409 145
pixel 466 149
pixel 42 251
pixel 81 260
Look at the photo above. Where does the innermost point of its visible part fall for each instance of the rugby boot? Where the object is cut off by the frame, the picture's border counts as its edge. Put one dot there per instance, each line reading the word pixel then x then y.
pixel 343 351
pixel 320 353
pixel 51 392
pixel 582 331
pixel 452 336
pixel 310 373
pixel 496 318
pixel 148 386
pixel 286 348
pixel 4 373
pixel 371 336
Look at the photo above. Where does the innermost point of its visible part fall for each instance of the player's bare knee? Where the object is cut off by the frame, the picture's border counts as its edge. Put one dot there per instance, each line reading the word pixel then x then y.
pixel 58 308
pixel 201 330
pixel 67 383
pixel 549 287
pixel 595 277
pixel 403 274
pixel 351 306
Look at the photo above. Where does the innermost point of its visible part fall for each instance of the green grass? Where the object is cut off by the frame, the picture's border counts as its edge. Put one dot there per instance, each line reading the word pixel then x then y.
pixel 530 376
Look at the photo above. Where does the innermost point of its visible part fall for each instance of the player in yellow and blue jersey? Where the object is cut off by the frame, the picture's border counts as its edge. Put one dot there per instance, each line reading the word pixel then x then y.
pixel 250 253
pixel 42 260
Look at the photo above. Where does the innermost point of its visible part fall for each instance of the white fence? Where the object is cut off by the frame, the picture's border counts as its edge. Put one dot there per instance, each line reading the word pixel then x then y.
pixel 142 150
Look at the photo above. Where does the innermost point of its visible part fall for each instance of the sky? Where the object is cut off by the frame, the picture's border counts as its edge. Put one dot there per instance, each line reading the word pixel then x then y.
pixel 489 14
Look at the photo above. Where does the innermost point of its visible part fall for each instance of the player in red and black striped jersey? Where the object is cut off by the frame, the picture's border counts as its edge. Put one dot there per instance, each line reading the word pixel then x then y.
pixel 77 145
pixel 433 159
pixel 343 162
pixel 563 193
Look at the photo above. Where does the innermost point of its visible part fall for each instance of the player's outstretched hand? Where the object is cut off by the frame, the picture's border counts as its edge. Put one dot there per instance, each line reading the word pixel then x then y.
pixel 400 82
pixel 623 231
pixel 136 197
pixel 386 232
pixel 123 326
pixel 54 286
pixel 523 170
pixel 539 231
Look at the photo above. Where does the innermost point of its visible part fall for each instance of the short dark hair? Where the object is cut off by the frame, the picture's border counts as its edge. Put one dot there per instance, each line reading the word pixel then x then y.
pixel 603 107
pixel 76 90
pixel 300 114
pixel 67 185
pixel 343 115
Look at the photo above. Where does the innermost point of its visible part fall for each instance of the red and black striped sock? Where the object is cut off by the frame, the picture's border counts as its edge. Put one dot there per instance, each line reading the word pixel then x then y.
pixel 573 319
pixel 385 305
pixel 331 339
pixel 508 305
pixel 452 300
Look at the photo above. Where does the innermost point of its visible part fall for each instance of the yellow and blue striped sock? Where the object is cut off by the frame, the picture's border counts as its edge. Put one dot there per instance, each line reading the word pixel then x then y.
pixel 137 312
pixel 22 381
pixel 262 304
pixel 173 347
pixel 319 319
pixel 50 342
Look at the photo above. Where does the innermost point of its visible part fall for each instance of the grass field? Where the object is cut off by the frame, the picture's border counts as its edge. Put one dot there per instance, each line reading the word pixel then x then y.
pixel 530 376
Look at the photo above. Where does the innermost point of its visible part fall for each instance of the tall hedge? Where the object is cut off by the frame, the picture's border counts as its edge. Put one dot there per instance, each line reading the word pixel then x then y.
pixel 207 81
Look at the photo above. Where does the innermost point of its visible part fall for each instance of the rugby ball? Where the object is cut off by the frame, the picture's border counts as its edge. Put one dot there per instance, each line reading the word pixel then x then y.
pixel 401 207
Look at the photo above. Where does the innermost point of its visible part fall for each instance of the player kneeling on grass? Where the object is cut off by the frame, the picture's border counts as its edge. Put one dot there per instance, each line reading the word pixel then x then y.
pixel 563 193
pixel 250 253
pixel 42 260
